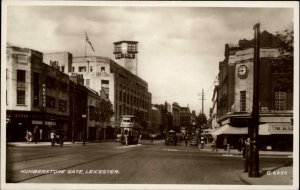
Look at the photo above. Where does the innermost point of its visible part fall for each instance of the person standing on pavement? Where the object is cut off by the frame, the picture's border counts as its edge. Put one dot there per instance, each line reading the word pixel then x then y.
pixel 52 137
pixel 214 144
pixel 35 134
pixel 246 155
pixel 186 140
pixel 225 143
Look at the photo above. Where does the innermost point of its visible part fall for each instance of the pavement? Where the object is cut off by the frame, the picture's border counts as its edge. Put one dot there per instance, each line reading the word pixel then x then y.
pixel 282 175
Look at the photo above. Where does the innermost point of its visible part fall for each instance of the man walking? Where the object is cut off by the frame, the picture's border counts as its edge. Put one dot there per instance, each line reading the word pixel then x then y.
pixel 52 137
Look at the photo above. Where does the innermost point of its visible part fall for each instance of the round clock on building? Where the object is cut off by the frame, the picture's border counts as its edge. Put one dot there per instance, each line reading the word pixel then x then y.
pixel 242 71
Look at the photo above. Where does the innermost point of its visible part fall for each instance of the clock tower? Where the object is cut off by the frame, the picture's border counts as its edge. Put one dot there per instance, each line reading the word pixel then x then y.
pixel 126 55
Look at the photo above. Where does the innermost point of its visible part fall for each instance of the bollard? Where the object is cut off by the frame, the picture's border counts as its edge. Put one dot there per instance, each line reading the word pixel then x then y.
pixel 228 149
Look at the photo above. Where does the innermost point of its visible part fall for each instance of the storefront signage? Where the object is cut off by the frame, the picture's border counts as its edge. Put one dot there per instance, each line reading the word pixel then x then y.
pixel 283 128
pixel 21 115
pixel 44 95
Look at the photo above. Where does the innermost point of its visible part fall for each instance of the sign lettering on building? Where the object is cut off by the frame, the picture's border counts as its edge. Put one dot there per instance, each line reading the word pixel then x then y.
pixel 44 95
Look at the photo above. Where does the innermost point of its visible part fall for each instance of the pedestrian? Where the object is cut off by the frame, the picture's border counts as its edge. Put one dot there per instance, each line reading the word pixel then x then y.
pixel 35 134
pixel 225 143
pixel 61 139
pixel 240 144
pixel 246 155
pixel 186 140
pixel 27 137
pixel 52 137
pixel 30 135
pixel 213 144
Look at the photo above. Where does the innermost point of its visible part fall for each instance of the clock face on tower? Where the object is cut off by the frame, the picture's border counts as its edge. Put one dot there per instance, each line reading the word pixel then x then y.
pixel 242 71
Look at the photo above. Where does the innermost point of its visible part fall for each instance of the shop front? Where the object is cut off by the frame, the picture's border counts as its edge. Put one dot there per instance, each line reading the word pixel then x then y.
pixel 18 122
pixel 272 136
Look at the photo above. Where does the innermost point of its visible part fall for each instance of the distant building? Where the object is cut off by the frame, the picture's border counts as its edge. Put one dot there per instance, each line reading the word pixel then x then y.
pixel 166 117
pixel 156 120
pixel 62 59
pixel 185 119
pixel 235 93
pixel 117 82
pixel 36 95
pixel 176 116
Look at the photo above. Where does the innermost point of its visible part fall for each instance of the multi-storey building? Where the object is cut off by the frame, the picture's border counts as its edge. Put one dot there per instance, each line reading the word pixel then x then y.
pixel 185 119
pixel 166 118
pixel 235 93
pixel 62 59
pixel 176 116
pixel 156 120
pixel 127 92
pixel 83 114
pixel 36 95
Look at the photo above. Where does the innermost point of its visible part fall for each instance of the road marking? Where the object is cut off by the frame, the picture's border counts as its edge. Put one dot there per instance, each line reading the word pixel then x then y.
pixel 227 155
pixel 129 146
pixel 167 149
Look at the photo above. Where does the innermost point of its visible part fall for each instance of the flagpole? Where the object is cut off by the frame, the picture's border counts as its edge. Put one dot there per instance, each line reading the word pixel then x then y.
pixel 85 45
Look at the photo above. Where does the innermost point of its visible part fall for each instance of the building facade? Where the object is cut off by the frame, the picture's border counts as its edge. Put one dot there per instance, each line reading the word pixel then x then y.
pixel 235 93
pixel 176 116
pixel 36 95
pixel 185 119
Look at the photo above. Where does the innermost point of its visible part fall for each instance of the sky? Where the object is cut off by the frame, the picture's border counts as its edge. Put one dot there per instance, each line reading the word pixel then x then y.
pixel 179 47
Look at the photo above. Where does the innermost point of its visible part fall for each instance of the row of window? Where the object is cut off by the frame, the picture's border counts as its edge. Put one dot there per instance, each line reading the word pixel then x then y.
pixel 132 100
pixel 84 69
pixel 125 110
pixel 280 100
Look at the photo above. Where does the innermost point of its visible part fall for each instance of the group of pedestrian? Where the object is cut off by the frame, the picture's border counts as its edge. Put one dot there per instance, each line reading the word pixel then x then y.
pixel 55 137
pixel 32 137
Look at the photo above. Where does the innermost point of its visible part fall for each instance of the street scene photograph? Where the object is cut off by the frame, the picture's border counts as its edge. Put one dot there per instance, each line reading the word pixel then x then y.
pixel 149 95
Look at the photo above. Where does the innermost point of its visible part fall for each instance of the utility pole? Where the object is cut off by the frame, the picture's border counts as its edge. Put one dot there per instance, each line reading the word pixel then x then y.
pixel 202 100
pixel 253 128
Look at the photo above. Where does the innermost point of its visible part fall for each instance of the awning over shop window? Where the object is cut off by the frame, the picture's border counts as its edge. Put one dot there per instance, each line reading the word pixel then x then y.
pixel 229 130
pixel 264 129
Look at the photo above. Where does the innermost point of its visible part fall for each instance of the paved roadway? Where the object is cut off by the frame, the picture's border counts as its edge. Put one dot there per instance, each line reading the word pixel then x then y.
pixel 136 164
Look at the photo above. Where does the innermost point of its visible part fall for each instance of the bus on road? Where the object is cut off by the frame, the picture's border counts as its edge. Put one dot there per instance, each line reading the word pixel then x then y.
pixel 130 130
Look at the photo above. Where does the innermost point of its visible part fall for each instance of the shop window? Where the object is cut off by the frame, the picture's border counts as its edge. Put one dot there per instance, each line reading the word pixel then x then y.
pixel 21 97
pixel 280 100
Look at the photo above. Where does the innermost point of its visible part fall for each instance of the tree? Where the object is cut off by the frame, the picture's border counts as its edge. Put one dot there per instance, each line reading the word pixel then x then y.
pixel 104 112
pixel 286 44
pixel 201 120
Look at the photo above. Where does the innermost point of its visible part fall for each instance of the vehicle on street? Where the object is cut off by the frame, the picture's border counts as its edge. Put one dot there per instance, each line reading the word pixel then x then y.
pixel 171 138
pixel 130 130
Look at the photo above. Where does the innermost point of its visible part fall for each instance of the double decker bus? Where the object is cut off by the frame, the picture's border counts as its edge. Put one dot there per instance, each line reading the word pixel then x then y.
pixel 130 130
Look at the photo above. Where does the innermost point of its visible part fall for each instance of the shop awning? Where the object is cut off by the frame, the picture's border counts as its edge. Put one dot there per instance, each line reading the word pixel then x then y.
pixel 264 129
pixel 229 130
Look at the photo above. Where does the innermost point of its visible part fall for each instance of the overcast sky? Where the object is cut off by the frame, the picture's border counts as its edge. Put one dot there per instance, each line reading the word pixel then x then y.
pixel 179 47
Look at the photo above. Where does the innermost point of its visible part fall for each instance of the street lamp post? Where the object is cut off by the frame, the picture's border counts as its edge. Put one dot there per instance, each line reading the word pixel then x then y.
pixel 253 129
pixel 84 119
